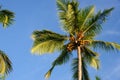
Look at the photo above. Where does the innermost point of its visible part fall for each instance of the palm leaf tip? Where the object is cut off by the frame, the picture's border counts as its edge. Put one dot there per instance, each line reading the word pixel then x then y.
pixel 61 4
pixel 32 50
pixel 108 10
pixel 61 59
pixel 105 13
pixel 32 37
pixel 117 46
pixel 97 78
pixel 48 74
pixel 95 63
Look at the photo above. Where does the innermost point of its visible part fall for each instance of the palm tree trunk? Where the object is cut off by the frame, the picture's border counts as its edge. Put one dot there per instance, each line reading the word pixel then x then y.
pixel 79 63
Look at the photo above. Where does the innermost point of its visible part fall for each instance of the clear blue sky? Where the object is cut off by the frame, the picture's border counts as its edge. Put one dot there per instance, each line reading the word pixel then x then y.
pixel 42 14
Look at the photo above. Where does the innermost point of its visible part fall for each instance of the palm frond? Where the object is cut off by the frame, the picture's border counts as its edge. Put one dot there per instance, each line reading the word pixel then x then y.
pixel 93 27
pixel 94 24
pixel 2 66
pixel 93 31
pixel 88 51
pixel 47 47
pixel 95 63
pixel 107 46
pixel 62 5
pixel 46 34
pixel 61 59
pixel 85 75
pixel 6 17
pixel 68 17
pixel 85 71
pixel 75 69
pixel 47 42
pixel 86 13
pixel 5 63
pixel 69 21
pixel 91 57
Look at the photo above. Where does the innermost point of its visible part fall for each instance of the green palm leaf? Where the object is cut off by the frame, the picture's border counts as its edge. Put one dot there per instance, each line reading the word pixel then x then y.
pixel 75 69
pixel 85 75
pixel 107 46
pixel 88 51
pixel 91 57
pixel 95 63
pixel 47 42
pixel 46 34
pixel 68 15
pixel 47 46
pixel 61 4
pixel 6 17
pixel 5 63
pixel 61 59
pixel 86 13
pixel 94 25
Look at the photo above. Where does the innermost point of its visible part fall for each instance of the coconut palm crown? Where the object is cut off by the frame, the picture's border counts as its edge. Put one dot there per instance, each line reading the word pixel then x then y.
pixel 6 17
pixel 81 26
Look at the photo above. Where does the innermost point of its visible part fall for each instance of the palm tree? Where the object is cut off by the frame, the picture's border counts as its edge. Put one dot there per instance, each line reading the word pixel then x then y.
pixel 81 26
pixel 6 18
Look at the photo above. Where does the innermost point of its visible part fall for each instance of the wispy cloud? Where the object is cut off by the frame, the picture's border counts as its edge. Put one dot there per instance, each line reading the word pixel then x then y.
pixel 115 71
pixel 112 32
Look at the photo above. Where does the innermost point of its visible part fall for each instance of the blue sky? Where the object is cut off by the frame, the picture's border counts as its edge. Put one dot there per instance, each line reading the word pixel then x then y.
pixel 33 15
